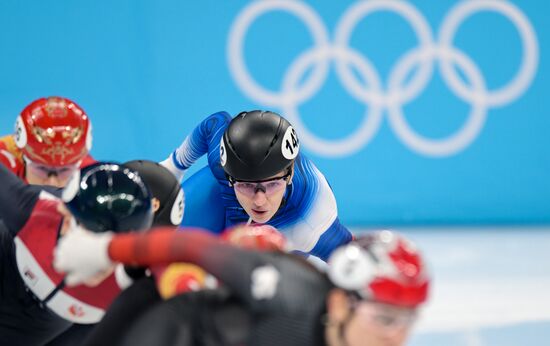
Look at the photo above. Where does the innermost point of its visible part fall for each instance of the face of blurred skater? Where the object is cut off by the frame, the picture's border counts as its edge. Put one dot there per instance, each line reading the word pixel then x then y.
pixel 366 323
pixel 39 174
pixel 262 199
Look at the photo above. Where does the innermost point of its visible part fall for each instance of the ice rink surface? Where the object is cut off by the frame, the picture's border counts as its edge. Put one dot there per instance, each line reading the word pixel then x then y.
pixel 491 287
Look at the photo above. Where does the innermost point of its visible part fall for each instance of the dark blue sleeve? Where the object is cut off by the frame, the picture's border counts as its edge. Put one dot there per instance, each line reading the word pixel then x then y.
pixel 17 199
pixel 335 236
pixel 203 203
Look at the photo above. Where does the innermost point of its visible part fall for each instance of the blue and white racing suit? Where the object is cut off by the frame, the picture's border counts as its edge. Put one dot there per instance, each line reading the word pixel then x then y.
pixel 308 216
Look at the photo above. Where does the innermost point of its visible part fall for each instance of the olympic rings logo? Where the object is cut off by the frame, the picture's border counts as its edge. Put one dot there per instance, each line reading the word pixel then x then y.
pixel 398 90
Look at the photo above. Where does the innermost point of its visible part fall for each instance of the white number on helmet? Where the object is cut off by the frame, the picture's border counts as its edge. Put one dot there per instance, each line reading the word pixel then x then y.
pixel 176 214
pixel 223 153
pixel 264 282
pixel 291 144
pixel 20 133
pixel 351 268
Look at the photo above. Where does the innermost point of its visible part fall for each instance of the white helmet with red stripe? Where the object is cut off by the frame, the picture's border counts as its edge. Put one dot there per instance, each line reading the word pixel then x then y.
pixel 381 266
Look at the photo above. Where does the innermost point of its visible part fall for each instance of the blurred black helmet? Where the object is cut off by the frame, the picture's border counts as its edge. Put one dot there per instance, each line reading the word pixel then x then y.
pixel 165 188
pixel 109 197
pixel 258 145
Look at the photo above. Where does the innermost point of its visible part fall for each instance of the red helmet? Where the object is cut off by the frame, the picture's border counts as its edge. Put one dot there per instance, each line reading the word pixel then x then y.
pixel 53 131
pixel 255 237
pixel 381 266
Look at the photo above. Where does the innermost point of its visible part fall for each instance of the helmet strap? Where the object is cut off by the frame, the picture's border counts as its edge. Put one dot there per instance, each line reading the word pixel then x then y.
pixel 290 174
pixel 230 180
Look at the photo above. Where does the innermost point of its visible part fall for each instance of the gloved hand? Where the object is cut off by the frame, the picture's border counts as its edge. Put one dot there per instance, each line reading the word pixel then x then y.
pixel 255 237
pixel 82 255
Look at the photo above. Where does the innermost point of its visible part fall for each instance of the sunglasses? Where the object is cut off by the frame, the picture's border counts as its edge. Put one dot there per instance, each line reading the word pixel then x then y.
pixel 44 171
pixel 269 187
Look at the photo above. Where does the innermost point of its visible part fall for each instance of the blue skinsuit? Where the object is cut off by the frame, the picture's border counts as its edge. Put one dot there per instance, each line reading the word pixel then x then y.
pixel 308 216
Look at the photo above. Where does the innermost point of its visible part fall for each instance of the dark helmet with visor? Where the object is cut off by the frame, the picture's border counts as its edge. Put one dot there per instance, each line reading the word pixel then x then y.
pixel 165 188
pixel 109 197
pixel 258 145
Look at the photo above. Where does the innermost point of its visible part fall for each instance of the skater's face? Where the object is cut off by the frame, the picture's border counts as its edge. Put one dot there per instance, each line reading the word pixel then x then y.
pixel 368 323
pixel 38 174
pixel 379 325
pixel 262 199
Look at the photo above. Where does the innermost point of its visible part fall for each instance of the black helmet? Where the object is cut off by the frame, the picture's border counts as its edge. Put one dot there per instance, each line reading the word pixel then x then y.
pixel 109 197
pixel 258 145
pixel 163 186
